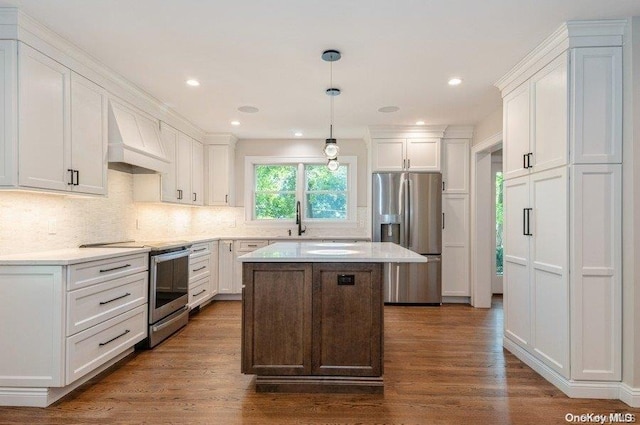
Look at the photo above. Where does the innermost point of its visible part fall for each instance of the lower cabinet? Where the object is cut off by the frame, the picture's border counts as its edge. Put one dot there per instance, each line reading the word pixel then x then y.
pixel 312 319
pixel 203 273
pixel 67 323
pixel 455 245
pixel 225 267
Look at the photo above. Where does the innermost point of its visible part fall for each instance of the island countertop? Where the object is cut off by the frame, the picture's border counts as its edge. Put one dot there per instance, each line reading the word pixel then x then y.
pixel 334 252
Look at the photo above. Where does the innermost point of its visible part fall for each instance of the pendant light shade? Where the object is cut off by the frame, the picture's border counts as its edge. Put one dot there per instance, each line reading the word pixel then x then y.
pixel 331 149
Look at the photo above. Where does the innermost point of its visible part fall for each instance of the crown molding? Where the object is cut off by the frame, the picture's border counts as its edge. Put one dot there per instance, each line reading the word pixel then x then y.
pixel 17 25
pixel 570 34
pixel 220 139
pixel 459 132
pixel 406 131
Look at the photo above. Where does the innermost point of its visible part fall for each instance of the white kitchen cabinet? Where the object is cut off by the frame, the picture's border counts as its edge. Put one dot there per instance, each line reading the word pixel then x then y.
pixel 455 166
pixel 44 121
pixel 202 268
pixel 183 181
pixel 225 267
pixel 596 98
pixel 536 265
pixel 596 279
pixel 89 111
pixel 242 247
pixel 56 137
pixel 219 170
pixel 455 245
pixel 68 323
pixel 420 154
pixel 562 237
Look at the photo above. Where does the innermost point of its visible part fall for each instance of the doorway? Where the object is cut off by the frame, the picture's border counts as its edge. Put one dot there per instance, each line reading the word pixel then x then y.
pixel 496 197
pixel 483 220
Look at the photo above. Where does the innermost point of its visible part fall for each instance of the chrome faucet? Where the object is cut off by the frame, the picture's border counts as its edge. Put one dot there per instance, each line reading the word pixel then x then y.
pixel 299 220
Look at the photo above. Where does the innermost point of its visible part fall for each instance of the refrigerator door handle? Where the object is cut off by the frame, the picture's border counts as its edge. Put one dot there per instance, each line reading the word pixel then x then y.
pixel 408 213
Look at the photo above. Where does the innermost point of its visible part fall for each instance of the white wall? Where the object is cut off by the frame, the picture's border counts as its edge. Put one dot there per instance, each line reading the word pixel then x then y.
pixel 489 126
pixel 631 208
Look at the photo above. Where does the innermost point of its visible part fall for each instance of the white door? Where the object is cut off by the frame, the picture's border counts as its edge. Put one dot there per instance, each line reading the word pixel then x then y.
pixel 183 168
pixel 455 166
pixel 388 154
pixel 455 245
pixel 517 293
pixel 516 132
pixel 197 173
pixel 88 136
pixel 225 267
pixel 218 174
pixel 423 154
pixel 43 121
pixel 549 271
pixel 550 98
pixel 169 137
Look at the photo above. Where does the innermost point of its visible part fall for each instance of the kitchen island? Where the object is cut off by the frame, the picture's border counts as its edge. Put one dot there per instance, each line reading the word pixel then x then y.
pixel 312 315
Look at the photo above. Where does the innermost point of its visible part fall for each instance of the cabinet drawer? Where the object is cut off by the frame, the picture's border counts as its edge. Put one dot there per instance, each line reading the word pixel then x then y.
pixel 198 292
pixel 249 246
pixel 95 346
pixel 89 306
pixel 200 249
pixel 92 272
pixel 199 268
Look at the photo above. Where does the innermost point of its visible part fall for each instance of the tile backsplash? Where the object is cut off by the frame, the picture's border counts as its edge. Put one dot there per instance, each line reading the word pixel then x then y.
pixel 31 221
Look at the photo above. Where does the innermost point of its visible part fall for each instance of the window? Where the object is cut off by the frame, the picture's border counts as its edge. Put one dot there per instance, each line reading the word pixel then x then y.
pixel 279 183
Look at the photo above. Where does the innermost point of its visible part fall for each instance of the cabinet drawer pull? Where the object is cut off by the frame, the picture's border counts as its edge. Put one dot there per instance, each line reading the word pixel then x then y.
pixel 199 268
pixel 346 279
pixel 200 293
pixel 443 220
pixel 443 186
pixel 115 268
pixel 408 163
pixel 195 197
pixel 102 344
pixel 71 174
pixel 199 249
pixel 252 246
pixel 226 199
pixel 77 173
pixel 115 299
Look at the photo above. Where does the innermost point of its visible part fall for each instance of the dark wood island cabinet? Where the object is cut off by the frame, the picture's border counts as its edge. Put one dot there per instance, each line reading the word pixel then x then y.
pixel 314 326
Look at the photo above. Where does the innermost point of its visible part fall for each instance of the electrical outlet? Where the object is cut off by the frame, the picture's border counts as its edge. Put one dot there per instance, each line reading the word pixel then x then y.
pixel 52 225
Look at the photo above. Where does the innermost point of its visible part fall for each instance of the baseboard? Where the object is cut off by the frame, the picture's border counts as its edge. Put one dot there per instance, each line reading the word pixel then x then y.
pixel 43 397
pixel 573 389
pixel 630 395
pixel 456 300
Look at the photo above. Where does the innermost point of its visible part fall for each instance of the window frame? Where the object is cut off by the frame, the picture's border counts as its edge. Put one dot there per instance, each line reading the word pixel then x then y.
pixel 250 185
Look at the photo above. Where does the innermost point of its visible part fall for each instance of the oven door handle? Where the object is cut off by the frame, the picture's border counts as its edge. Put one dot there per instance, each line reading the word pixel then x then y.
pixel 169 320
pixel 170 256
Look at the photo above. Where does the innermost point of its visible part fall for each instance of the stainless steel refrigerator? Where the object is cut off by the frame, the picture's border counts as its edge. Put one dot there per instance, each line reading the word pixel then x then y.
pixel 407 210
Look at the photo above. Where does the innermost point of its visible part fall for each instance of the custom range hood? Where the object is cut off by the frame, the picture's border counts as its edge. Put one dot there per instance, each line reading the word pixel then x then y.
pixel 134 141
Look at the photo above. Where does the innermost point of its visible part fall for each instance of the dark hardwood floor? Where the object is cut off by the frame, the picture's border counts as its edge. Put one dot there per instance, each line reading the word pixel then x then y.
pixel 442 365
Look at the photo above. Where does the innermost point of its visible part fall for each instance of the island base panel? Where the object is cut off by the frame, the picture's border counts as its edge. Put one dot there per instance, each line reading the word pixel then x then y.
pixel 319 384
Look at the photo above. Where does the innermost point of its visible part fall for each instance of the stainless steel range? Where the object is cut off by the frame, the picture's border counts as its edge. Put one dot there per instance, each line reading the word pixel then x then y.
pixel 168 286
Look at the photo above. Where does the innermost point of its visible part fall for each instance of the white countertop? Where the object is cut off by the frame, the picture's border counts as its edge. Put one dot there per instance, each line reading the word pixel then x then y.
pixel 65 257
pixel 337 252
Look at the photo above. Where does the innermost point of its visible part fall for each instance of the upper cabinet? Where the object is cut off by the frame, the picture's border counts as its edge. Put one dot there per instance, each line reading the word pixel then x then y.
pixel 56 136
pixel 183 182
pixel 219 170
pixel 419 154
pixel 585 81
pixel 455 166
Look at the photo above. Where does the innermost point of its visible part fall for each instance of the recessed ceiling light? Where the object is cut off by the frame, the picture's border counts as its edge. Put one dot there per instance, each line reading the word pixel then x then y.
pixel 236 123
pixel 193 83
pixel 297 134
pixel 419 122
pixel 454 81
pixel 387 109
pixel 248 109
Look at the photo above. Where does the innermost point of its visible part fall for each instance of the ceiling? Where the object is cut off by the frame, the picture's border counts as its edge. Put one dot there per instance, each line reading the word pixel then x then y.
pixel 267 54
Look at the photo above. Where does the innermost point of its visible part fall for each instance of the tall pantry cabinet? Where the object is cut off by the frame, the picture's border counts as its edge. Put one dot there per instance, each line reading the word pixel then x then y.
pixel 562 117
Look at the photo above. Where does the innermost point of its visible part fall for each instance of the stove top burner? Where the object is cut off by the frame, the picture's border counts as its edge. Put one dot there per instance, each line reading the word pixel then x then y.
pixel 154 245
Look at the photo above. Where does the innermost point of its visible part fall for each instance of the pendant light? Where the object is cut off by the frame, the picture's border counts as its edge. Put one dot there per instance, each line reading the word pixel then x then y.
pixel 331 148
